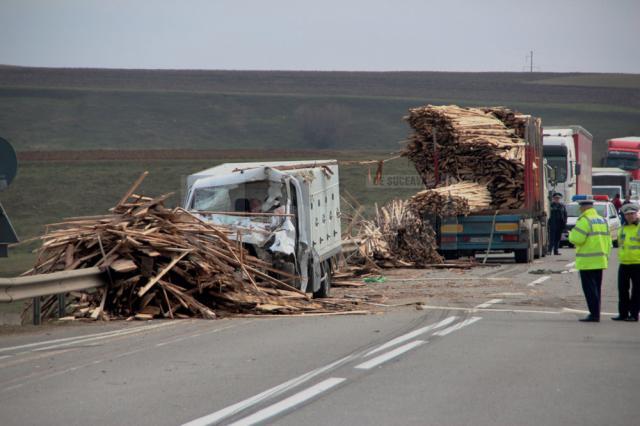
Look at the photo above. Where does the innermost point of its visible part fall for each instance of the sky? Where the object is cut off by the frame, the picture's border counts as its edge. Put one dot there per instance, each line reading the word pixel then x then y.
pixel 325 35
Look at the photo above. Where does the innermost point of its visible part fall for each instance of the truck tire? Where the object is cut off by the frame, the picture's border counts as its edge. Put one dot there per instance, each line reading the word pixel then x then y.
pixel 450 254
pixel 325 285
pixel 525 255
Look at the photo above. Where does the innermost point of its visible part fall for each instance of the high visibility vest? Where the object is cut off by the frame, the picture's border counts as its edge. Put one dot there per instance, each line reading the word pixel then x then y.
pixel 592 240
pixel 629 243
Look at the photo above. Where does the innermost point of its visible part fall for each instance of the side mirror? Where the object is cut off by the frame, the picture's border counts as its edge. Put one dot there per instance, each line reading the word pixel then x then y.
pixel 578 169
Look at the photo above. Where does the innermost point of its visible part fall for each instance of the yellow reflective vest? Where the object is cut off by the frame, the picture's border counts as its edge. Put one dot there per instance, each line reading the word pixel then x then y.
pixel 592 240
pixel 629 243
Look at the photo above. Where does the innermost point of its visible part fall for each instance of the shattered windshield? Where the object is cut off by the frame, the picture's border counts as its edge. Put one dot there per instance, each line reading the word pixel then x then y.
pixel 249 197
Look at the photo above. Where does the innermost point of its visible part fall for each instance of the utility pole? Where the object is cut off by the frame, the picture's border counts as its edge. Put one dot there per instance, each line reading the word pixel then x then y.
pixel 531 61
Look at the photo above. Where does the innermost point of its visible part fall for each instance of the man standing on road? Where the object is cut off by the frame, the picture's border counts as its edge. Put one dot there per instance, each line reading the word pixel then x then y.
pixel 557 222
pixel 629 269
pixel 593 246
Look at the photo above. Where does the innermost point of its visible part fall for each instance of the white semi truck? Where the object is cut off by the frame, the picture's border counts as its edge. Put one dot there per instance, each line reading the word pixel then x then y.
pixel 286 213
pixel 568 151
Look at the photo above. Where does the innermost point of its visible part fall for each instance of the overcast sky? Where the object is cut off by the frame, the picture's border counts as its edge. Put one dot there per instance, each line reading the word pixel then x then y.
pixel 355 35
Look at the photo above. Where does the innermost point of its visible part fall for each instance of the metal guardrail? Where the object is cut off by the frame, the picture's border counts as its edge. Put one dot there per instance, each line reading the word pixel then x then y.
pixel 20 288
pixel 36 286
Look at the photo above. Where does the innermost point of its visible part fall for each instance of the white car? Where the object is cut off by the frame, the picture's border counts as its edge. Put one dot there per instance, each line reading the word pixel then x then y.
pixel 605 209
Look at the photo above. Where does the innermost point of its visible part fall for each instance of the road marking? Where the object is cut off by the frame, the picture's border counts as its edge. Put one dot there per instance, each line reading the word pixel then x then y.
pixel 539 281
pixel 374 362
pixel 290 402
pixel 457 326
pixel 5 357
pixel 269 393
pixel 411 335
pixel 489 303
pixel 88 336
pixel 120 333
pixel 179 339
pixel 570 265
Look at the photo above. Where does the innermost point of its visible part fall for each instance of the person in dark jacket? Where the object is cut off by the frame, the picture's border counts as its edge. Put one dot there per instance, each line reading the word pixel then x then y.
pixel 557 222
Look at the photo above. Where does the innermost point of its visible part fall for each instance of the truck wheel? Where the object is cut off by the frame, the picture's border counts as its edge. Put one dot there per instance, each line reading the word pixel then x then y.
pixel 522 256
pixel 325 285
pixel 450 254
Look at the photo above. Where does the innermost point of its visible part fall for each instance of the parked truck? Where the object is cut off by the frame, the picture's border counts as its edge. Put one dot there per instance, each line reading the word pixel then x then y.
pixel 624 153
pixel 521 231
pixel 285 213
pixel 568 150
pixel 611 181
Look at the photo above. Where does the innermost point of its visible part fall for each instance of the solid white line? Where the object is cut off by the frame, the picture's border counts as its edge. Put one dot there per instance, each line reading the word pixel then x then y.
pixel 457 326
pixel 91 339
pixel 5 356
pixel 570 265
pixel 411 335
pixel 488 303
pixel 106 333
pixel 539 280
pixel 290 402
pixel 269 393
pixel 374 362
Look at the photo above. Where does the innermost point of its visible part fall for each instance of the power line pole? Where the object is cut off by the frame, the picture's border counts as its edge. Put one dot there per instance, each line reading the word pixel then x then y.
pixel 531 62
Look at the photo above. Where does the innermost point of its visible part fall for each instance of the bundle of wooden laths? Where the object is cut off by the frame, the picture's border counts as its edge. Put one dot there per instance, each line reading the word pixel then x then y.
pixel 483 145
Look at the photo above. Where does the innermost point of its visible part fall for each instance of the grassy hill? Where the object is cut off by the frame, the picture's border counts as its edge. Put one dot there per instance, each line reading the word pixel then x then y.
pixel 58 109
pixel 112 118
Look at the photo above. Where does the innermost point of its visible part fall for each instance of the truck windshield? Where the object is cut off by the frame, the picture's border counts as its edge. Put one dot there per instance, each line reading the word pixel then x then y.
pixel 557 159
pixel 627 162
pixel 249 197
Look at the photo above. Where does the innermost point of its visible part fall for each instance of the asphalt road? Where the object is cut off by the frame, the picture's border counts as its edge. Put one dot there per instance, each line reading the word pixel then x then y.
pixel 506 350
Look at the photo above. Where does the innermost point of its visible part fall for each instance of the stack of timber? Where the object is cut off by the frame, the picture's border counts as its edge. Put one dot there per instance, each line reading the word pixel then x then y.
pixel 458 199
pixel 397 237
pixel 167 263
pixel 470 144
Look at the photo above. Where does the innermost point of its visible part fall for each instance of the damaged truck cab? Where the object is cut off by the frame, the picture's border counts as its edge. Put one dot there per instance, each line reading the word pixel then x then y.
pixel 285 213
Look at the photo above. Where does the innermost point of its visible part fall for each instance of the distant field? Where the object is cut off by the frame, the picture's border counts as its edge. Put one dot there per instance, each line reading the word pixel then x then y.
pixel 47 191
pixel 63 109
pixel 629 81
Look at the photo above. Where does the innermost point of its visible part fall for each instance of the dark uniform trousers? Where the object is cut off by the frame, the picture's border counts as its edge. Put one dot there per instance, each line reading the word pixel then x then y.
pixel 591 284
pixel 629 279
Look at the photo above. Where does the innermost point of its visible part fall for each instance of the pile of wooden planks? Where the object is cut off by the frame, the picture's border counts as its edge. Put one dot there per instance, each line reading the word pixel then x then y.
pixel 396 237
pixel 453 144
pixel 458 199
pixel 167 263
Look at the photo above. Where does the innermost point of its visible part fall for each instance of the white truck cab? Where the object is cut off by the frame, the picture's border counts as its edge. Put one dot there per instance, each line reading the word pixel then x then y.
pixel 286 213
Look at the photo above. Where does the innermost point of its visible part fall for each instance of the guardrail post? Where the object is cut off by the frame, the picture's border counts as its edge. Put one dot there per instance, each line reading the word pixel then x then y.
pixel 36 311
pixel 61 303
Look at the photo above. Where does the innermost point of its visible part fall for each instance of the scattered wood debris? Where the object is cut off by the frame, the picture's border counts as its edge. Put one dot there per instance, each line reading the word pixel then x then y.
pixel 396 237
pixel 167 263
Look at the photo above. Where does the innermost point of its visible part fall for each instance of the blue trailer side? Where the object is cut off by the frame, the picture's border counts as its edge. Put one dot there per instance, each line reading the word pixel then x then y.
pixel 467 235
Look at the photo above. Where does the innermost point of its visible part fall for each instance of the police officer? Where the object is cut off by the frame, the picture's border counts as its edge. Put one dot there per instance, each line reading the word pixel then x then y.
pixel 629 270
pixel 557 222
pixel 591 237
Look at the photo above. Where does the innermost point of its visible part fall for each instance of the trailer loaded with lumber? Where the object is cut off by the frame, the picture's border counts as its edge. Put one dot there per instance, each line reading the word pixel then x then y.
pixel 486 179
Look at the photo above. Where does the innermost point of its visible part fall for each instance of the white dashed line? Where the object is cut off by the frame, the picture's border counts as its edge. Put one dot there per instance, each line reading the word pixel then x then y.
pixel 539 281
pixel 457 326
pixel 411 335
pixel 489 303
pixel 290 402
pixel 570 265
pixel 381 359
pixel 269 393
